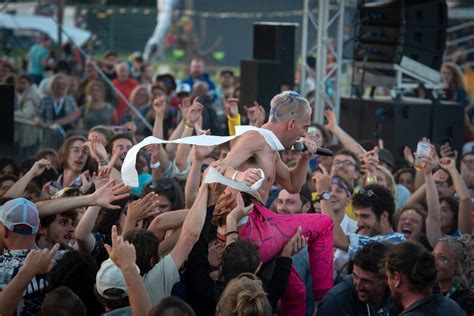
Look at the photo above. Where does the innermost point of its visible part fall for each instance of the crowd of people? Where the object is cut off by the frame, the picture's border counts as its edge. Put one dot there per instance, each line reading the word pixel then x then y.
pixel 247 227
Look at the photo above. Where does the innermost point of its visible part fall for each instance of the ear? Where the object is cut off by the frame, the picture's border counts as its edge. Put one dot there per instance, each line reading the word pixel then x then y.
pixel 384 217
pixel 397 277
pixel 291 124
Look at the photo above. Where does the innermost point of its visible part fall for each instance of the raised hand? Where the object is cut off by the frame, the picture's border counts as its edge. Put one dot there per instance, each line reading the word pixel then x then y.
pixel 447 163
pixel 159 106
pixel 109 193
pixel 195 113
pixel 40 261
pixel 39 167
pixel 143 208
pixel 184 108
pixel 86 181
pixel 240 210
pixel 215 255
pixel 122 253
pixel 97 150
pixel 371 160
pixel 255 114
pixel 331 119
pixel 295 244
pixel 408 156
pixel 322 180
pixel 231 106
pixel 102 178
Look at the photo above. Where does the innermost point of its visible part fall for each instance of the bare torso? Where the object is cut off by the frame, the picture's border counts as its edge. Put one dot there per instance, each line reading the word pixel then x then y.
pixel 264 159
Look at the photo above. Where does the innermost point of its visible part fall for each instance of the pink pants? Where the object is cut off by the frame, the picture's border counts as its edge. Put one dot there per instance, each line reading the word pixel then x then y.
pixel 270 232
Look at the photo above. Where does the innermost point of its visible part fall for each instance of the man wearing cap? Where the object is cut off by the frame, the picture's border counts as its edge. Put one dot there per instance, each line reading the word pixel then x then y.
pixel 112 289
pixel 19 223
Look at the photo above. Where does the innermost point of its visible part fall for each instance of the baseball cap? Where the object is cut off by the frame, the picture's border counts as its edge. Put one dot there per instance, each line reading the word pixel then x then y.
pixel 183 88
pixel 468 148
pixel 20 216
pixel 111 277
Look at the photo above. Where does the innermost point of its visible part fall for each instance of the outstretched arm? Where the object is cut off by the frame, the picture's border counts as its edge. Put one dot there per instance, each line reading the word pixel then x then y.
pixel 103 197
pixel 433 220
pixel 123 254
pixel 323 184
pixel 192 227
pixel 347 141
pixel 18 188
pixel 36 262
pixel 465 203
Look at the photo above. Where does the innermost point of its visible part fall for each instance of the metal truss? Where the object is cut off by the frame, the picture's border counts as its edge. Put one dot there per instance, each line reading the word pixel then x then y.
pixel 327 77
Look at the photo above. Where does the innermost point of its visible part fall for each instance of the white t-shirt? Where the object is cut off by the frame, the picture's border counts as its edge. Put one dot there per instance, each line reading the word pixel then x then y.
pixel 340 256
pixel 160 279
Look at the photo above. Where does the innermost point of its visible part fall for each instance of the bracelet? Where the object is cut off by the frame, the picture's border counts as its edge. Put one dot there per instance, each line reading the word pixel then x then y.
pixel 372 179
pixel 188 126
pixel 235 175
pixel 155 165
pixel 231 232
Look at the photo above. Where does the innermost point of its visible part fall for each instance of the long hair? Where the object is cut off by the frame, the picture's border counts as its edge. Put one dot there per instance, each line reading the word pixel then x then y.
pixel 88 99
pixel 458 81
pixel 63 152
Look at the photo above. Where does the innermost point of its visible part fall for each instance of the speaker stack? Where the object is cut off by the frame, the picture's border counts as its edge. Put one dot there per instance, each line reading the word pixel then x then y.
pixel 273 65
pixel 412 28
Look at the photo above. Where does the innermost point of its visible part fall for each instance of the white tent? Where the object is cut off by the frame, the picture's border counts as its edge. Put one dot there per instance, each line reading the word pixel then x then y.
pixel 46 25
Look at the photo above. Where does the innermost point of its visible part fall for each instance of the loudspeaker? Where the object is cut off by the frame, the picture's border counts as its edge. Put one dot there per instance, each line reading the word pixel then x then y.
pixel 276 41
pixel 413 28
pixel 258 82
pixel 401 123
pixel 448 123
pixel 7 108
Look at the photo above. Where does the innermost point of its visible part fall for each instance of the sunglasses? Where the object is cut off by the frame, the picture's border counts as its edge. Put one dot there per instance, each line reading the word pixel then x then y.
pixel 368 193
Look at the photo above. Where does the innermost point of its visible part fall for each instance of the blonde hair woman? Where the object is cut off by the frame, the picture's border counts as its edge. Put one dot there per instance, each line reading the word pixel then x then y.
pixel 96 111
pixel 244 296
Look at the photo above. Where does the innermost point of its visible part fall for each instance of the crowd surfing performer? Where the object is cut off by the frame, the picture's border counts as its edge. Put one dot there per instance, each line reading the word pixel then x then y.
pixel 252 159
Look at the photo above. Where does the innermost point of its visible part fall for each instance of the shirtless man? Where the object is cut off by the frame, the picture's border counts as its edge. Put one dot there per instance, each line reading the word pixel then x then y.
pixel 290 117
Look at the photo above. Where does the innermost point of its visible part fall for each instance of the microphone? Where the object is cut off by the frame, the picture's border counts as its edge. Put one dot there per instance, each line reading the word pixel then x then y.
pixel 299 146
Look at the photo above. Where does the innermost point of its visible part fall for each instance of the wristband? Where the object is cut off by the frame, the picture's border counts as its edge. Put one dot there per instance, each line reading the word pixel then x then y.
pixel 231 232
pixel 235 175
pixel 155 165
pixel 372 179
pixel 188 126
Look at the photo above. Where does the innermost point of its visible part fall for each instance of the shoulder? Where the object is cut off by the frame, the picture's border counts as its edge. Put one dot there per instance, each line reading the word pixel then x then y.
pixel 339 298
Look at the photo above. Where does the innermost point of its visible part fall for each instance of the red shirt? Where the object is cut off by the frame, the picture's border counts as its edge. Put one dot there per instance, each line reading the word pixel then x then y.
pixel 126 88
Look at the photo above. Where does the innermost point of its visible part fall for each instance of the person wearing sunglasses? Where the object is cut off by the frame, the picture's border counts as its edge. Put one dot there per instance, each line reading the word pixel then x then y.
pixel 253 158
pixel 374 207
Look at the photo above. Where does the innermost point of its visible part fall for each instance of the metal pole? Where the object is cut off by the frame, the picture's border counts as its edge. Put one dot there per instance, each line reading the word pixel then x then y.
pixel 59 48
pixel 304 48
pixel 321 61
pixel 339 61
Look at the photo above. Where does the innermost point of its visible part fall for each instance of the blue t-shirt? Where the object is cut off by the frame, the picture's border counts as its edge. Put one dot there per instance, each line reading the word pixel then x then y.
pixel 36 54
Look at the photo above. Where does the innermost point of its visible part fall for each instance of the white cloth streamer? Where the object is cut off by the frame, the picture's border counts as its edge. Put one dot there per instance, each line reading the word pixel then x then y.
pixel 213 176
pixel 130 174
